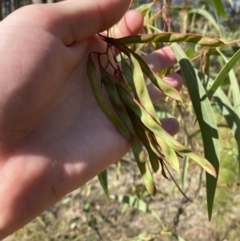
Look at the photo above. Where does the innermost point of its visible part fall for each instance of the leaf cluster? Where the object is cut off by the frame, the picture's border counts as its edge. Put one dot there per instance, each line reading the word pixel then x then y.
pixel 133 113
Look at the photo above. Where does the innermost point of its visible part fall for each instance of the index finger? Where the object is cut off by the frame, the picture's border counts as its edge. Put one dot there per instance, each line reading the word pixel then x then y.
pixel 160 59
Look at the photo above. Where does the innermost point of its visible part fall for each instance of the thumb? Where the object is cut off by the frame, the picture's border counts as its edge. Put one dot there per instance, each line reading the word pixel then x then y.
pixel 74 20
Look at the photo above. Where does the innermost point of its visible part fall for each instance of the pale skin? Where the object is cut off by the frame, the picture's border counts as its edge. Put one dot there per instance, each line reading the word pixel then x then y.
pixel 53 136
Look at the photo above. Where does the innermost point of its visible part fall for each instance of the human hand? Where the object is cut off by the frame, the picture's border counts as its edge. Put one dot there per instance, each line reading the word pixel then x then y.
pixel 53 136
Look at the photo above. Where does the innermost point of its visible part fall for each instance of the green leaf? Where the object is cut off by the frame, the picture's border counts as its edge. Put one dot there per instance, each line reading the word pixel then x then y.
pixel 232 119
pixel 178 187
pixel 103 179
pixel 205 118
pixel 233 80
pixel 223 74
pixel 226 109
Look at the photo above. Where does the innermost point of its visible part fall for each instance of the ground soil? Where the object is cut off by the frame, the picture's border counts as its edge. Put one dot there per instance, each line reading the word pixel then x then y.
pixel 87 214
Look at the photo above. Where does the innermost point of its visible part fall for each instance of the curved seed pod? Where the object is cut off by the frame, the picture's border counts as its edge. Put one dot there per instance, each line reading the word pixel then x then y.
pixel 103 104
pixel 137 83
pixel 141 88
pixel 166 154
pixel 141 132
pixel 152 125
pixel 152 141
pixel 163 172
pixel 135 143
pixel 135 79
pixel 170 155
pixel 154 78
pixel 167 37
pixel 142 94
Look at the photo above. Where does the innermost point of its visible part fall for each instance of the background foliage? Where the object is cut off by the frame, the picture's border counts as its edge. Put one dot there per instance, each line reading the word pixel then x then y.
pixel 130 213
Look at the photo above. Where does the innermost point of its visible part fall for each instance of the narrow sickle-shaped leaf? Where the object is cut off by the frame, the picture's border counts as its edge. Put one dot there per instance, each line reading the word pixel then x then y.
pixel 205 118
pixel 166 37
pixel 235 87
pixel 226 109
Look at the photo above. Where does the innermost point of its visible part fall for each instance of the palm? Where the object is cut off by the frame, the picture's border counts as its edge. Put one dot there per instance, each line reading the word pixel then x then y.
pixel 61 120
